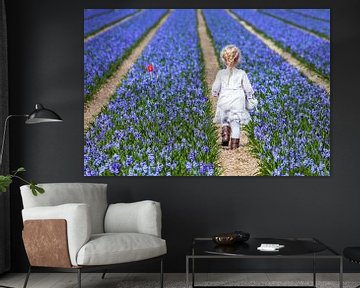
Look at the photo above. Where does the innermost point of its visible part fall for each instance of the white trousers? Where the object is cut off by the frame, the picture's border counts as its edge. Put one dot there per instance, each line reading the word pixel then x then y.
pixel 235 128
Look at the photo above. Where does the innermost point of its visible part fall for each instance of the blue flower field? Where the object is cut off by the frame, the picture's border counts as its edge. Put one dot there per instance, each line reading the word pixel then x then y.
pixel 159 121
pixel 103 54
pixel 94 24
pixel 317 26
pixel 310 49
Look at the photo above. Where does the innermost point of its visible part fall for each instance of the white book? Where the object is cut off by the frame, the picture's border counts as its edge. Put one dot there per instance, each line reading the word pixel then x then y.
pixel 270 247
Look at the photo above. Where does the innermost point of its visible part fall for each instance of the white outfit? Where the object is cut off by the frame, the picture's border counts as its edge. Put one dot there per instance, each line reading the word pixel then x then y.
pixel 232 86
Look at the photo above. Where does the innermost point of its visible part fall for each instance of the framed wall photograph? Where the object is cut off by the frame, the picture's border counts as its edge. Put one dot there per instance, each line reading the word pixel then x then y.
pixel 207 92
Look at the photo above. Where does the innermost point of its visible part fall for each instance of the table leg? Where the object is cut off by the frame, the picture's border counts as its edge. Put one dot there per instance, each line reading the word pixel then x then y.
pixel 187 272
pixel 314 271
pixel 341 273
pixel 193 267
pixel 193 272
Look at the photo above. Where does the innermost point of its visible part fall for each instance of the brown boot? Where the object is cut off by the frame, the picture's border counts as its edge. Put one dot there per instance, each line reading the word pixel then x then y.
pixel 225 134
pixel 235 143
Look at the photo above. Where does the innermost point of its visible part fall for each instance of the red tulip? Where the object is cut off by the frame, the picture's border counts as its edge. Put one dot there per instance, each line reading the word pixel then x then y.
pixel 150 68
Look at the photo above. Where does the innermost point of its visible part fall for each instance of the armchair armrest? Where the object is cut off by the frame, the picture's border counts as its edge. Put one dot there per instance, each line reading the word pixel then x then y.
pixel 77 217
pixel 138 217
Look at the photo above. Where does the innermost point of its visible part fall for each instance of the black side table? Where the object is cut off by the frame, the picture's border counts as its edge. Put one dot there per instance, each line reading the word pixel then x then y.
pixel 294 248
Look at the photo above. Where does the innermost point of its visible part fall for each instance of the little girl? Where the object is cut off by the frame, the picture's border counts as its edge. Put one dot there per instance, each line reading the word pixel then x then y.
pixel 232 85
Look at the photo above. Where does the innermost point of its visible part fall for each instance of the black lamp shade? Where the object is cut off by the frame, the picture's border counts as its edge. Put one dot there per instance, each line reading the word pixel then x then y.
pixel 42 115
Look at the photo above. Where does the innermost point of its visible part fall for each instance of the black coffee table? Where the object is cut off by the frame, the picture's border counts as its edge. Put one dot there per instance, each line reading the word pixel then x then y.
pixel 294 248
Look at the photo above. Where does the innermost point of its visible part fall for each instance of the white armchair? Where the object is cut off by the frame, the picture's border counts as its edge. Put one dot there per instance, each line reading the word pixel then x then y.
pixel 72 228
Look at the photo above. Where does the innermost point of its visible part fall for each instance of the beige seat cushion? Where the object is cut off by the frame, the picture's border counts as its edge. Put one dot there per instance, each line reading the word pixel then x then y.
pixel 137 217
pixel 113 248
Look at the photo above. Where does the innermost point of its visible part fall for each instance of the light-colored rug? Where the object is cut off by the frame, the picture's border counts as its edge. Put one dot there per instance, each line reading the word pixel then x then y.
pixel 177 280
pixel 181 284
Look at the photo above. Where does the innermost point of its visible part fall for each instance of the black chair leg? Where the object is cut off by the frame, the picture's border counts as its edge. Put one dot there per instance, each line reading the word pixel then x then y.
pixel 79 277
pixel 103 275
pixel 161 273
pixel 27 277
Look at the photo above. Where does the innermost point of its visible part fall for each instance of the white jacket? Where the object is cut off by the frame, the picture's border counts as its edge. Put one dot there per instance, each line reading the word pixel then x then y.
pixel 232 86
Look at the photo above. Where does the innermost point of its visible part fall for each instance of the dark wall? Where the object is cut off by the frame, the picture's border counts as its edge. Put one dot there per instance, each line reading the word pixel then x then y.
pixel 46 66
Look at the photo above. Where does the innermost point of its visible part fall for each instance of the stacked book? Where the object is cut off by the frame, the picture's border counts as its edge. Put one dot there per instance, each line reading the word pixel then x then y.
pixel 270 247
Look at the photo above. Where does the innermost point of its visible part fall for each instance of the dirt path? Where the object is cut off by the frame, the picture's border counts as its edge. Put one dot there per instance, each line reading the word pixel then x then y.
pixel 238 162
pixel 310 74
pixel 113 25
pixel 102 97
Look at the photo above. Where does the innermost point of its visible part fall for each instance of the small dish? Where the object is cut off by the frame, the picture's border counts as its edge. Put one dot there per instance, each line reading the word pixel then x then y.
pixel 225 239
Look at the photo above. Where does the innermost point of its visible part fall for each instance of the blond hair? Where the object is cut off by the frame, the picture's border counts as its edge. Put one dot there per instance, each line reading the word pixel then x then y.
pixel 230 55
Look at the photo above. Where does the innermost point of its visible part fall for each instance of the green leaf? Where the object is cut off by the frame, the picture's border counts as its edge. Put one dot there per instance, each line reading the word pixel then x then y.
pixel 36 189
pixel 5 182
pixel 20 169
pixel 39 189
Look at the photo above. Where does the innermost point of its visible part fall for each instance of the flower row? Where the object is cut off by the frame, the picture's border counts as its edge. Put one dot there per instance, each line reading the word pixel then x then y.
pixel 95 24
pixel 310 49
pixel 317 26
pixel 290 132
pixel 159 121
pixel 321 14
pixel 90 13
pixel 104 53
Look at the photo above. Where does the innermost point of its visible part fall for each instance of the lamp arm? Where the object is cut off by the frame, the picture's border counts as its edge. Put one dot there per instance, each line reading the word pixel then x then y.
pixel 4 134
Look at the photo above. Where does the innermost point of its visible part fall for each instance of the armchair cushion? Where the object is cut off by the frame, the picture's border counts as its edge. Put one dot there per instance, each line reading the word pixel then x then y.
pixel 113 248
pixel 93 194
pixel 138 217
pixel 78 221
